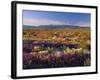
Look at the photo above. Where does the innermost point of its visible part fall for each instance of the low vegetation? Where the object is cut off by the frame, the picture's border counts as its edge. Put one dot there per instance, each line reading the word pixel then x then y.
pixel 50 48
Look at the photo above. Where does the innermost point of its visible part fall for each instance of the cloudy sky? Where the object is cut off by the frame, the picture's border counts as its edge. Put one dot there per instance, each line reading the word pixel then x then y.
pixel 35 18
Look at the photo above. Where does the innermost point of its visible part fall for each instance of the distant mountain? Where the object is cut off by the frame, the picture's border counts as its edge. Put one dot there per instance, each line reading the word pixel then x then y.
pixel 28 27
pixel 52 27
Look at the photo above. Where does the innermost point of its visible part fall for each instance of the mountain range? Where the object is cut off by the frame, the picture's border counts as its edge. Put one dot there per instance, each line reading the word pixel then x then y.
pixel 52 27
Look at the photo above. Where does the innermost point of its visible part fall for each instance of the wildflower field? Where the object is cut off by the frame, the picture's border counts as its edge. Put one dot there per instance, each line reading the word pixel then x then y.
pixel 53 48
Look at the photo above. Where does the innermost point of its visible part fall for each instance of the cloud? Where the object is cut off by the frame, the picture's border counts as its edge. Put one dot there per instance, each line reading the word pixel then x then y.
pixel 37 22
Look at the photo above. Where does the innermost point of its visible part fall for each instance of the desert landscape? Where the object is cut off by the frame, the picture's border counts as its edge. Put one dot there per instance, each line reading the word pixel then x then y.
pixel 56 39
pixel 49 48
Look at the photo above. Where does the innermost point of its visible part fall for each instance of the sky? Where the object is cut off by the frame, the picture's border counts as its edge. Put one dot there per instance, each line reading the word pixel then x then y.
pixel 36 18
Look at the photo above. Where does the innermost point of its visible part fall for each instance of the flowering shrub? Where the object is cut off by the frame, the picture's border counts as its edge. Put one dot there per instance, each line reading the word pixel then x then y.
pixel 54 55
